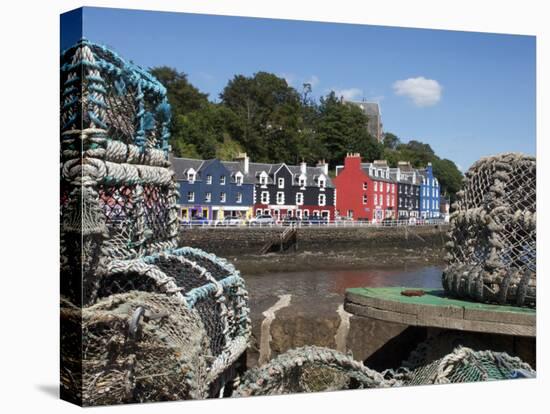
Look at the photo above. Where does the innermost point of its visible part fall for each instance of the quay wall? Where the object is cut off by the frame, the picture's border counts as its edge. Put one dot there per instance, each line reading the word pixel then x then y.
pixel 223 240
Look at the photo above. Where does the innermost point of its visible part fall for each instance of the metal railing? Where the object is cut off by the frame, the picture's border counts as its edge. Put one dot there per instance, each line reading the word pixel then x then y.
pixel 310 223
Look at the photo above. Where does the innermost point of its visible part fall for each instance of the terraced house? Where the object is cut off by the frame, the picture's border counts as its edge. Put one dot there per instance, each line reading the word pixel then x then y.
pixel 408 190
pixel 429 193
pixel 293 190
pixel 365 191
pixel 213 189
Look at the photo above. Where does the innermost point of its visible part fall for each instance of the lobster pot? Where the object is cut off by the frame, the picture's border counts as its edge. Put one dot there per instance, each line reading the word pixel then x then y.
pixel 199 281
pixel 137 347
pixel 118 194
pixel 491 255
pixel 310 369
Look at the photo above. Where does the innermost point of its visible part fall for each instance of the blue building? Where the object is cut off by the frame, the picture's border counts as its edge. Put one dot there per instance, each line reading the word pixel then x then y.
pixel 213 189
pixel 429 194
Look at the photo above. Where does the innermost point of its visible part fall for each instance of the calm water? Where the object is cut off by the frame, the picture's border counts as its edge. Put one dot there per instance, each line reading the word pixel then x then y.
pixel 333 283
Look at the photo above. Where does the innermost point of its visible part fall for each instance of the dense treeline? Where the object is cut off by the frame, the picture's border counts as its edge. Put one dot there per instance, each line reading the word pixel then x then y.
pixel 273 122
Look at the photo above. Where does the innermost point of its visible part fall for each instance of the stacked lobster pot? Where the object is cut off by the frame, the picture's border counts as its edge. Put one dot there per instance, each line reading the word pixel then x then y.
pixel 491 255
pixel 121 268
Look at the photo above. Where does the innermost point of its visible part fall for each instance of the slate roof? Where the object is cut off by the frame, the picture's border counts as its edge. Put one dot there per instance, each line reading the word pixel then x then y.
pixel 182 165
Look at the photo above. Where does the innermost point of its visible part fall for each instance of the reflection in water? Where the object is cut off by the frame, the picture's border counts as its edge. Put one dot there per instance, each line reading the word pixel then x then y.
pixel 335 282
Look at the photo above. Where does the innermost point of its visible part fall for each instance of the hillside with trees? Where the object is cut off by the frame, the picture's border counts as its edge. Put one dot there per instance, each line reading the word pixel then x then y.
pixel 273 122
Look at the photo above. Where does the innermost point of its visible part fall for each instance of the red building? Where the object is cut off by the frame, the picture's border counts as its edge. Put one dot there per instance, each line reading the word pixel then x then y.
pixel 365 190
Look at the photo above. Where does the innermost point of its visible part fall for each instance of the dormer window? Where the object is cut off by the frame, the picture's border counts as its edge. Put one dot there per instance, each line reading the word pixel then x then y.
pixel 302 181
pixel 191 175
pixel 322 182
pixel 222 179
pixel 263 178
pixel 239 178
pixel 208 179
pixel 281 182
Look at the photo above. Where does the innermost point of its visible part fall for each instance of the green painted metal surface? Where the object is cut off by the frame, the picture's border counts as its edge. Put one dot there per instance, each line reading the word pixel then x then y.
pixel 433 297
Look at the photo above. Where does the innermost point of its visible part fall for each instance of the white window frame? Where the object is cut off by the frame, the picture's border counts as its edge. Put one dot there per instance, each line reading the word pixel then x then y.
pixel 365 185
pixel 302 180
pixel 191 196
pixel 280 197
pixel 239 179
pixel 239 198
pixel 209 179
pixel 322 200
pixel 365 199
pixel 191 175
pixel 222 179
pixel 280 182
pixel 299 199
pixel 322 182
pixel 376 186
pixel 223 197
pixel 264 197
pixel 208 197
pixel 263 179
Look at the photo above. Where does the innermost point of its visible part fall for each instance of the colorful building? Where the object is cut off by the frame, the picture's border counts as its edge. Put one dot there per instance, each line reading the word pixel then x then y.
pixel 365 191
pixel 408 190
pixel 429 193
pixel 212 190
pixel 293 190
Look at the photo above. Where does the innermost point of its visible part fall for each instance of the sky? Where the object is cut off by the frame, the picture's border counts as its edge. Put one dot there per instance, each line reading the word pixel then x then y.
pixel 466 94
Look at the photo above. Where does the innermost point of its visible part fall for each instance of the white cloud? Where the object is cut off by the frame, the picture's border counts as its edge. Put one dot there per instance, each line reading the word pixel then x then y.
pixel 313 81
pixel 422 91
pixel 349 94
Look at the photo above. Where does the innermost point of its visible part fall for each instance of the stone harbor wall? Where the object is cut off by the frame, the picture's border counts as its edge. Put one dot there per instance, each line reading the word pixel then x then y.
pixel 226 240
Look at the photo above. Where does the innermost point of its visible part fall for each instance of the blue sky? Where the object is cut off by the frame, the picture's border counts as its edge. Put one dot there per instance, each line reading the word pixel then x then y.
pixel 466 94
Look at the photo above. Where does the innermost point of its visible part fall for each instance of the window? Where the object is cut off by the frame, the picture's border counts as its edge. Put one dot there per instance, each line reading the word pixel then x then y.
pixel 208 197
pixel 376 186
pixel 281 182
pixel 239 179
pixel 222 197
pixel 393 188
pixel 387 187
pixel 400 189
pixel 280 197
pixel 416 203
pixel 191 175
pixel 387 200
pixel 222 179
pixel 239 197
pixel 322 182
pixel 208 179
pixel 393 201
pixel 365 199
pixel 350 213
pixel 302 181
pixel 299 198
pixel 400 203
pixel 322 199
pixel 191 196
pixel 365 185
pixel 265 197
pixel 263 179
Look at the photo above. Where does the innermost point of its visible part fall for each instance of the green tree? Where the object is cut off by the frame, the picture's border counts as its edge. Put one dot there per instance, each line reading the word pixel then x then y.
pixel 268 113
pixel 449 176
pixel 391 141
pixel 342 128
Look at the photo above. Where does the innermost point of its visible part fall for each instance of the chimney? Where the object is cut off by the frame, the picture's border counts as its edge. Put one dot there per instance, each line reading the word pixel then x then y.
pixel 244 161
pixel 353 161
pixel 303 167
pixel 324 166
